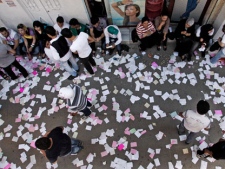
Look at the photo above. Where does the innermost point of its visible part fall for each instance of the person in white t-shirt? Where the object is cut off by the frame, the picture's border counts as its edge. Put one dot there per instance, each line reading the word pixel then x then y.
pixel 194 121
pixel 48 52
pixel 221 45
pixel 80 45
pixel 113 38
pixel 11 38
pixel 60 51
pixel 60 25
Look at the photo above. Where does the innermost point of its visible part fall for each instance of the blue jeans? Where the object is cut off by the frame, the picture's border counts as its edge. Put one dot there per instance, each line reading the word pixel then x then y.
pixel 191 5
pixel 34 51
pixel 217 57
pixel 72 70
pixel 75 146
pixel 182 130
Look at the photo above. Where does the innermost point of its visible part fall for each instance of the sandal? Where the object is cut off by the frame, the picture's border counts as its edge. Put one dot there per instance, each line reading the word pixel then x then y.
pixel 6 77
pixel 150 55
pixel 164 48
pixel 103 53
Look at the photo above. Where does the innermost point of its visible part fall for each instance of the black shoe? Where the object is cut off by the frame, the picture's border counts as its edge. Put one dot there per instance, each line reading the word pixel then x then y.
pixel 186 142
pixel 71 77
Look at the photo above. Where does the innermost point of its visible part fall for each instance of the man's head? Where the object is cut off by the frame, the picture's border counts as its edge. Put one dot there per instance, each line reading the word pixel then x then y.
pixel 113 30
pixel 145 21
pixel 223 29
pixel 66 33
pixel 95 21
pixel 47 43
pixel 4 32
pixel 60 21
pixel 43 143
pixel 66 93
pixel 189 22
pixel 50 31
pixel 203 107
pixel 74 23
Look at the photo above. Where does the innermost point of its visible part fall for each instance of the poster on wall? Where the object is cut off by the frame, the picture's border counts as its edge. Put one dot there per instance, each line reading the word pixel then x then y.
pixel 10 3
pixel 127 12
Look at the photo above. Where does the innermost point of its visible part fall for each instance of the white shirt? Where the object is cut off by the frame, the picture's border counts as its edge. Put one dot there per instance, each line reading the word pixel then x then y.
pixel 58 29
pixel 195 122
pixel 12 37
pixel 48 52
pixel 81 45
pixel 108 35
pixel 199 31
pixel 55 54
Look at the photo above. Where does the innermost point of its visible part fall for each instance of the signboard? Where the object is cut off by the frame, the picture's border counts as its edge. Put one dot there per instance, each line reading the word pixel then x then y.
pixel 127 12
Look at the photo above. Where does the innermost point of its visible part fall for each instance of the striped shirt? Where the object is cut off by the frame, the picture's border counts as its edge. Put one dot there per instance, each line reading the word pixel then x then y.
pixel 141 30
pixel 78 102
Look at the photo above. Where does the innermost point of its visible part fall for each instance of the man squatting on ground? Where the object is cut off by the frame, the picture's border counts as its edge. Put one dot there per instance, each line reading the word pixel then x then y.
pixel 56 144
pixel 76 100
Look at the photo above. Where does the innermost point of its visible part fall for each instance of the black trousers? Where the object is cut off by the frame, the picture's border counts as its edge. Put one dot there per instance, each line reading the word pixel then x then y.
pixel 86 110
pixel 161 36
pixel 87 61
pixel 149 41
pixel 9 71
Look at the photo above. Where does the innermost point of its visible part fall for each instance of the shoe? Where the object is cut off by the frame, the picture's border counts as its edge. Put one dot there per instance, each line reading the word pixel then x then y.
pixel 84 117
pixel 71 77
pixel 186 142
pixel 188 59
pixel 164 48
pixel 158 48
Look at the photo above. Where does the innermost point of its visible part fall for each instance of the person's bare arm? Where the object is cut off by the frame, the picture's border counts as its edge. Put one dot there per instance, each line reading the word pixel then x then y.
pixel 16 44
pixel 12 51
pixel 92 32
pixel 90 39
pixel 4 42
pixel 115 6
pixel 33 43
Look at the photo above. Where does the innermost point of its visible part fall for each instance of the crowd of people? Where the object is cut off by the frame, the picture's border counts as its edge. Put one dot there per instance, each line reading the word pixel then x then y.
pixel 63 42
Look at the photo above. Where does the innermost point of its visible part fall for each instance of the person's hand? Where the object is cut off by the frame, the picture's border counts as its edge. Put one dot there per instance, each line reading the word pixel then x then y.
pixel 30 49
pixel 113 46
pixel 127 2
pixel 97 39
pixel 183 32
pixel 164 38
pixel 73 113
pixel 162 23
pixel 219 39
pixel 201 39
pixel 107 45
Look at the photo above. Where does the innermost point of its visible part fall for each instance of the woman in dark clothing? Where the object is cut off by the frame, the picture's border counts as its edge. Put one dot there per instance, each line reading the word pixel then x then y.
pixel 184 35
pixel 203 35
pixel 217 151
pixel 41 36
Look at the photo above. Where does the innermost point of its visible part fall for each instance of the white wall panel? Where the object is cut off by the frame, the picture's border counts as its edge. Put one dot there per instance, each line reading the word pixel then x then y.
pixel 12 16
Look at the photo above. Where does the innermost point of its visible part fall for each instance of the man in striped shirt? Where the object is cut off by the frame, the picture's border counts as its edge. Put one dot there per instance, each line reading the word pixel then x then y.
pixel 76 100
pixel 147 34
